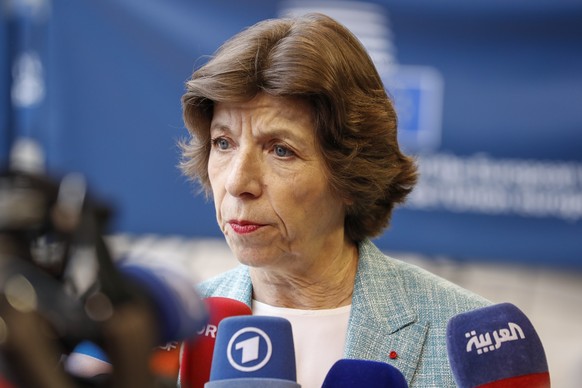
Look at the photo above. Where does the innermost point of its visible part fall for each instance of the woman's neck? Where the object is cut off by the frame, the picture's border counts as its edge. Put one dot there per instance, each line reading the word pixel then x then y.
pixel 327 284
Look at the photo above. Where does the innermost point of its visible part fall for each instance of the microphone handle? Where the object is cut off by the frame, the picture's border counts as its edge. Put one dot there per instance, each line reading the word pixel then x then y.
pixel 252 383
pixel 129 338
pixel 32 355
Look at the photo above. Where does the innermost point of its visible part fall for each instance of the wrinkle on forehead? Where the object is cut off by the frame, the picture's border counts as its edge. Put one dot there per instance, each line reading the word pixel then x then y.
pixel 266 114
pixel 287 108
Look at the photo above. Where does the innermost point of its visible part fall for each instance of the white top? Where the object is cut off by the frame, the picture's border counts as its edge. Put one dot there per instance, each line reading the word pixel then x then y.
pixel 319 337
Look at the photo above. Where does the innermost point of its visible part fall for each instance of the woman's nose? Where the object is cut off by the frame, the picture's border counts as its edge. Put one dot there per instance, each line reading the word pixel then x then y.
pixel 245 174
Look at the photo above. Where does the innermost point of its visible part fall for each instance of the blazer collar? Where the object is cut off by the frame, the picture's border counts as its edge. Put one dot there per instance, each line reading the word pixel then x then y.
pixel 383 324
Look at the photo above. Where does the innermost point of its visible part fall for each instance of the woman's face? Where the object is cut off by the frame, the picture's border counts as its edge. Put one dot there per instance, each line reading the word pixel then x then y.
pixel 273 202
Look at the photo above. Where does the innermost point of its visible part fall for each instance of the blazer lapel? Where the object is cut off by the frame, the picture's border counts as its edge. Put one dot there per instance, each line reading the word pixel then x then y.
pixel 383 325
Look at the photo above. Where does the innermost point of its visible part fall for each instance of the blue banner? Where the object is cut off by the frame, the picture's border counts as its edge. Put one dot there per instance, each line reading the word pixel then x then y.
pixel 488 95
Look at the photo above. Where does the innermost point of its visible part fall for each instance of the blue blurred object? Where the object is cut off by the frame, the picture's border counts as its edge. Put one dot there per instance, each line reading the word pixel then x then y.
pixel 346 373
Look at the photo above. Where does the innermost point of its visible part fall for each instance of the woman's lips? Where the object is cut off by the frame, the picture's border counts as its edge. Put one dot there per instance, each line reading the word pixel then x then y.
pixel 243 227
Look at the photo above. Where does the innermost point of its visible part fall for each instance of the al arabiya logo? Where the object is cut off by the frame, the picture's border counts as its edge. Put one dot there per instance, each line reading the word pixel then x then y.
pixel 249 349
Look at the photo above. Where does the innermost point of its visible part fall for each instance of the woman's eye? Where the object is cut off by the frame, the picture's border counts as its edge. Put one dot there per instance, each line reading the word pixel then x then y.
pixel 221 143
pixel 282 152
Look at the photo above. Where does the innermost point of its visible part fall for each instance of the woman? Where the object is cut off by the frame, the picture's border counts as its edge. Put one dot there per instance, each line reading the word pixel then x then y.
pixel 294 137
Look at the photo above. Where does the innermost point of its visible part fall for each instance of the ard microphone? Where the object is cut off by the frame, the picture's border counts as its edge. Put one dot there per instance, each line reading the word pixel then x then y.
pixel 494 347
pixel 253 351
pixel 196 358
pixel 348 373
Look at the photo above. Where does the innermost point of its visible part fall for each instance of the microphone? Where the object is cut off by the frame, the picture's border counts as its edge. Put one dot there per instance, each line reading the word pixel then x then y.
pixel 180 312
pixel 88 361
pixel 196 359
pixel 494 347
pixel 254 351
pixel 55 262
pixel 165 362
pixel 89 364
pixel 346 373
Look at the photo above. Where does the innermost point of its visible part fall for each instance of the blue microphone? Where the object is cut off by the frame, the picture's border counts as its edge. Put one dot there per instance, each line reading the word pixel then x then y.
pixel 88 361
pixel 180 312
pixel 496 346
pixel 348 373
pixel 253 351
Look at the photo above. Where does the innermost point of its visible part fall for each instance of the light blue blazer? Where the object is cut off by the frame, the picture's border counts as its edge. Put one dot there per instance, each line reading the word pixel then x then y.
pixel 399 314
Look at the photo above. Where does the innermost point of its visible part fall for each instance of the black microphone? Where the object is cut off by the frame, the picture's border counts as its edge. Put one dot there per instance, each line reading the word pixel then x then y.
pixel 54 262
pixel 170 296
pixel 348 373
pixel 494 347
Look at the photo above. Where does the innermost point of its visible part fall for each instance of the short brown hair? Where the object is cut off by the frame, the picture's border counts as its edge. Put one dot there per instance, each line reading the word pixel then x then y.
pixel 316 59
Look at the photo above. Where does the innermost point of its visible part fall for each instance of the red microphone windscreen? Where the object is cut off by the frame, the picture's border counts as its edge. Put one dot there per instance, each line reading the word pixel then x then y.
pixel 197 352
